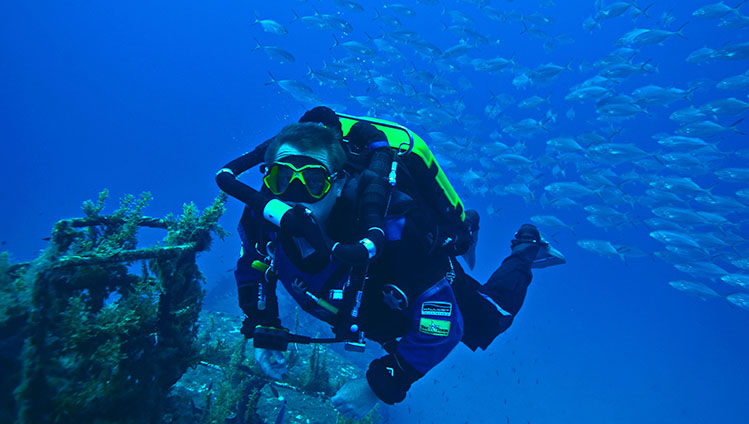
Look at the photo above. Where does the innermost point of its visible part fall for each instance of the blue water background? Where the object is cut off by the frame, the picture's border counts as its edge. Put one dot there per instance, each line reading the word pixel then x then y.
pixel 156 96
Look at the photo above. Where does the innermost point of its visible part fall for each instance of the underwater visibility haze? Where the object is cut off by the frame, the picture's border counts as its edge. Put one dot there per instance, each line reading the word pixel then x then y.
pixel 616 127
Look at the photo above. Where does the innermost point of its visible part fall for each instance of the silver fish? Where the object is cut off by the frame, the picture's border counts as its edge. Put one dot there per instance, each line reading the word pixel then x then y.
pixel 686 115
pixel 701 268
pixel 679 185
pixel 741 263
pixel 269 25
pixel 349 5
pixel 626 70
pixel 600 247
pixel 694 288
pixel 738 280
pixel 533 102
pixel 400 9
pixel 656 95
pixel 731 52
pixel 618 8
pixel 734 21
pixel 701 55
pixel 656 36
pixel 355 48
pixel 525 127
pixel 296 89
pixel 673 237
pixel 689 253
pixel 723 204
pixel 615 153
pixel 513 160
pixel 587 93
pixel 729 106
pixel 707 129
pixel 662 224
pixel 569 189
pixel 276 53
pixel 710 240
pixel 550 221
pixel 738 175
pixel 564 144
pixel 716 10
pixel 736 82
pixel 739 299
pixel 326 77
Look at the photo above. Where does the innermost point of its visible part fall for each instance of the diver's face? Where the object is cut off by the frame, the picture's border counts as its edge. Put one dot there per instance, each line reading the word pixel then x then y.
pixel 304 179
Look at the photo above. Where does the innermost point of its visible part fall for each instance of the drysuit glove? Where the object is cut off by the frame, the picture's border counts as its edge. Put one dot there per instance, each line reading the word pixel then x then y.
pixel 363 134
pixel 272 363
pixel 323 115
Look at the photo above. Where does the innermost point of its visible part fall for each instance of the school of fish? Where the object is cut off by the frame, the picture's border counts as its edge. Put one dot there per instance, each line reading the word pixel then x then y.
pixel 681 188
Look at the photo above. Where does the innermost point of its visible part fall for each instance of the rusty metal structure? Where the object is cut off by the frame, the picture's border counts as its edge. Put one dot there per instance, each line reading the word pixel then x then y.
pixel 96 329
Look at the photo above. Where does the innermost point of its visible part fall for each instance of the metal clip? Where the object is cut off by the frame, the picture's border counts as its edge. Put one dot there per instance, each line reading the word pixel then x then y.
pixel 450 275
pixel 393 173
pixel 260 297
pixel 336 294
pixel 356 346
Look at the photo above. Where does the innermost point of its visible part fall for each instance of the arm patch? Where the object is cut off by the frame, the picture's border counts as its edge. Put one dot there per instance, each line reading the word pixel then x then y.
pixel 442 309
pixel 434 327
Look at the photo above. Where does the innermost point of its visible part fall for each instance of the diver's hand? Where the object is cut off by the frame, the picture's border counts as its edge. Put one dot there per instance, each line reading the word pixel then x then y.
pixel 362 134
pixel 323 115
pixel 355 399
pixel 272 363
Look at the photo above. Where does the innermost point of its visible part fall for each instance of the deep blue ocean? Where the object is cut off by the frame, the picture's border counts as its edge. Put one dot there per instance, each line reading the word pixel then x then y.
pixel 157 96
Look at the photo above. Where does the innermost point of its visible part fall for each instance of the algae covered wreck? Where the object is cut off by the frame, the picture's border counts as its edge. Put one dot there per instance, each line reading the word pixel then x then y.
pixel 100 330
pixel 96 329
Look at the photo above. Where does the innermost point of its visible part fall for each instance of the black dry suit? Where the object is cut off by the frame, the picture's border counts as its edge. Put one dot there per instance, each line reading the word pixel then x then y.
pixel 417 301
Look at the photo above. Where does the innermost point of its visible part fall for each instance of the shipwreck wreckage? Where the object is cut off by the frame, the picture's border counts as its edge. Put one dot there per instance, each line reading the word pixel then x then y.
pixel 99 330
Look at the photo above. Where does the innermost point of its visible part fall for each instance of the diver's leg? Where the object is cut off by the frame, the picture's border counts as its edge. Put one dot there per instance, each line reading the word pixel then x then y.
pixel 509 283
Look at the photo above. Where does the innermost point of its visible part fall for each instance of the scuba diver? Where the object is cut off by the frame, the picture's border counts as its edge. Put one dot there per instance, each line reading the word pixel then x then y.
pixel 358 222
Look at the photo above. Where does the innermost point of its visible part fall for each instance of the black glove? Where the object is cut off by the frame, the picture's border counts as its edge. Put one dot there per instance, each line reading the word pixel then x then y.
pixel 362 134
pixel 323 115
pixel 390 378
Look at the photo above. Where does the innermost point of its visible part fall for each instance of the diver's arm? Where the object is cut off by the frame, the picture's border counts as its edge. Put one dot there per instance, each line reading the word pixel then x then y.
pixel 226 177
pixel 436 328
pixel 256 286
pixel 248 283
pixel 248 160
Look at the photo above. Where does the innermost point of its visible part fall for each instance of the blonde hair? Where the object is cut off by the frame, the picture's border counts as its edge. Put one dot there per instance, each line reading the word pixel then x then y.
pixel 309 137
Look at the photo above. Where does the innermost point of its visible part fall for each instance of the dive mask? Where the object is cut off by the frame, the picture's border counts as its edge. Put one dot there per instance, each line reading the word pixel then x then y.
pixel 313 180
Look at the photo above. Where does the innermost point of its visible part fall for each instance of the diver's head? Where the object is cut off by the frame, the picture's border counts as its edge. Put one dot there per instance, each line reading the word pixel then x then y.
pixel 304 164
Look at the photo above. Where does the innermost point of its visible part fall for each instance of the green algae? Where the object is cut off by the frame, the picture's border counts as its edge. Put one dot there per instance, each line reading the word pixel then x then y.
pixel 92 341
pixel 100 330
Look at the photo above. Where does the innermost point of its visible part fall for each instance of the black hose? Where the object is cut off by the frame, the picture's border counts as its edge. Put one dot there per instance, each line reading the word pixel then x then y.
pixel 374 197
